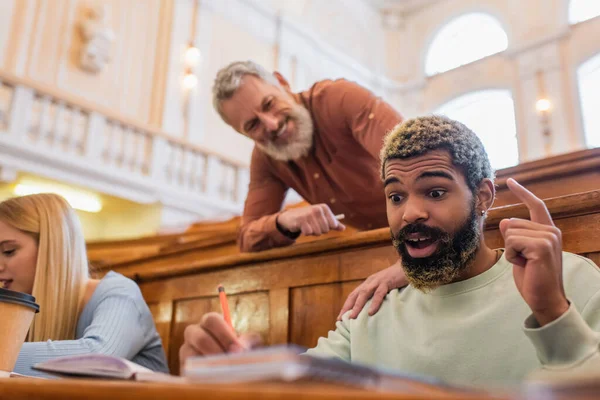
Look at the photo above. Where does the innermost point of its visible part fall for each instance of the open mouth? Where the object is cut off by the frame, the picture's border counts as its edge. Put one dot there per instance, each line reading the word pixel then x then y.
pixel 282 133
pixel 421 246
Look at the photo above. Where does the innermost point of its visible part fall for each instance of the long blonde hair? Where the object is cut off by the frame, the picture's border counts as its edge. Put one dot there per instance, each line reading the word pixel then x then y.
pixel 62 269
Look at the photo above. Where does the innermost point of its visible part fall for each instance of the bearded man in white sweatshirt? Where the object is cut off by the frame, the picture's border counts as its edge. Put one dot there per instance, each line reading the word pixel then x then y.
pixel 471 314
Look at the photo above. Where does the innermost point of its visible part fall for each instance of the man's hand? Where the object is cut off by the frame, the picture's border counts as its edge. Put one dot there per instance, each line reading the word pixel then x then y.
pixel 535 249
pixel 376 286
pixel 213 336
pixel 312 220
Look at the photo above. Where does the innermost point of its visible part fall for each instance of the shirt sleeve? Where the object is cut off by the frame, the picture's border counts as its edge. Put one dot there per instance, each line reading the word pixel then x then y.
pixel 258 228
pixel 336 344
pixel 568 346
pixel 117 330
pixel 368 117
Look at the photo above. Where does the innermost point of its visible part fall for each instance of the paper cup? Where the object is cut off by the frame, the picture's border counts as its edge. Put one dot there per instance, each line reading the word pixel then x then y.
pixel 17 311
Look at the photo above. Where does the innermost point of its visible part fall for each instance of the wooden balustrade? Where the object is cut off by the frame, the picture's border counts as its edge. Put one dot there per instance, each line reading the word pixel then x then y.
pixel 56 128
pixel 553 176
pixel 556 176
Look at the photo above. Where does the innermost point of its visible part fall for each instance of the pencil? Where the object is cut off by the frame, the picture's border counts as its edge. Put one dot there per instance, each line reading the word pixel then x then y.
pixel 225 306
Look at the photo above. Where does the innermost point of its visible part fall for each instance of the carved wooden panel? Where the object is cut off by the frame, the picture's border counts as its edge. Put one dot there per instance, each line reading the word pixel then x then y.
pixel 313 310
pixel 247 278
pixel 249 313
pixel 162 314
pixel 362 263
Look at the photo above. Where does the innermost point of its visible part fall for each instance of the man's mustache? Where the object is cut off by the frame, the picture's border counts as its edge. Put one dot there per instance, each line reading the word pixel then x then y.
pixel 422 229
pixel 280 127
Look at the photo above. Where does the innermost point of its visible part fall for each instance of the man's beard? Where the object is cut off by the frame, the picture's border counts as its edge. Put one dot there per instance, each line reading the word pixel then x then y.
pixel 454 254
pixel 299 143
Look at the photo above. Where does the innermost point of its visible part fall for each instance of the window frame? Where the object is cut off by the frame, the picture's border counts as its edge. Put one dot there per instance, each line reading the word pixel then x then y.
pixel 435 34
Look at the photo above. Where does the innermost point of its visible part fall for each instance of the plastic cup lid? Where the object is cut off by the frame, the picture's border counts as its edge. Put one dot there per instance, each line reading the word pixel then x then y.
pixel 24 299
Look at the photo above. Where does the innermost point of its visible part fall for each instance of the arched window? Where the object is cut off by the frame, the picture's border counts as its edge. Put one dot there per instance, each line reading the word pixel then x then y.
pixel 588 77
pixel 491 115
pixel 582 10
pixel 463 40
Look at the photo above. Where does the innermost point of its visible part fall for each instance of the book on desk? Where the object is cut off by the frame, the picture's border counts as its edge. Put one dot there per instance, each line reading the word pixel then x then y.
pixel 102 366
pixel 270 364
pixel 288 364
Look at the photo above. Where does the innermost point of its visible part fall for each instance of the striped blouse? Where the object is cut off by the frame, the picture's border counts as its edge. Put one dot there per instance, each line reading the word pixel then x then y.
pixel 116 321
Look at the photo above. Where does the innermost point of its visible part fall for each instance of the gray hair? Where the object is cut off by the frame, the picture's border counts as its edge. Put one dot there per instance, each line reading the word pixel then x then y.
pixel 419 135
pixel 229 78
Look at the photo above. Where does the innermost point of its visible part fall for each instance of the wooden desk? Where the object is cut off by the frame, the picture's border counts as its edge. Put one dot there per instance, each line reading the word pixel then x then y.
pixel 26 389
pixel 294 294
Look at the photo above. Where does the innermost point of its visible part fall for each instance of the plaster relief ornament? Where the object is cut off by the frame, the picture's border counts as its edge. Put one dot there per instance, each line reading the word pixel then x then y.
pixel 98 39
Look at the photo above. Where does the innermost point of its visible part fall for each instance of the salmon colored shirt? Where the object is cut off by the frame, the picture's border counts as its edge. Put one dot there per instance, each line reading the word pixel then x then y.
pixel 341 170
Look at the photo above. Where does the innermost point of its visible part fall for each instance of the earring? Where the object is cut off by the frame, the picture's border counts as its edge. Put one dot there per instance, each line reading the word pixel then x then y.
pixel 482 213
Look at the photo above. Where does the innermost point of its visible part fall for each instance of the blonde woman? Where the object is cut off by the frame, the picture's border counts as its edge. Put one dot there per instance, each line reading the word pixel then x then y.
pixel 42 252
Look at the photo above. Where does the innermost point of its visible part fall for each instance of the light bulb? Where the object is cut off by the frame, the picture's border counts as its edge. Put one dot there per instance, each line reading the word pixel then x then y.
pixel 190 81
pixel 543 105
pixel 192 56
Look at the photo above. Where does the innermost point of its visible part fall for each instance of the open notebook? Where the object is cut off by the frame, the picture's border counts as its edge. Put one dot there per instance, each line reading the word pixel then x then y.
pixel 101 366
pixel 287 364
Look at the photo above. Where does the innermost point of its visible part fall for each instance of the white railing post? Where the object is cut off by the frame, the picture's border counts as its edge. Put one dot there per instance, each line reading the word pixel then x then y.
pixel 159 159
pixel 20 112
pixel 94 137
pixel 242 181
pixel 213 176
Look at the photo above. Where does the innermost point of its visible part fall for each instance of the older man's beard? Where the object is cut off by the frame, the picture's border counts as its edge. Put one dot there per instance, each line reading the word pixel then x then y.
pixel 454 255
pixel 299 143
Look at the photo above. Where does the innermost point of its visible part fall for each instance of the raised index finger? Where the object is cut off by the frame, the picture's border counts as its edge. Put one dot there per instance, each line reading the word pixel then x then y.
pixel 537 208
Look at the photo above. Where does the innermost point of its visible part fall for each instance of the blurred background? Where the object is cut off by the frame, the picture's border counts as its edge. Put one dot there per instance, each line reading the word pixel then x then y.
pixel 108 102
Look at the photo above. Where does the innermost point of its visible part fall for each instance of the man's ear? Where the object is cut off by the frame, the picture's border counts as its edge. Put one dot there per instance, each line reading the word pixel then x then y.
pixel 282 81
pixel 486 193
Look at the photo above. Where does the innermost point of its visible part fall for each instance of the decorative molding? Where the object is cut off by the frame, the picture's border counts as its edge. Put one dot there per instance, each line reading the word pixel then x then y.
pixel 405 7
pixel 407 88
pixel 393 20
pixel 98 38
pixel 517 50
pixel 295 39
pixel 254 16
pixel 201 104
pixel 546 57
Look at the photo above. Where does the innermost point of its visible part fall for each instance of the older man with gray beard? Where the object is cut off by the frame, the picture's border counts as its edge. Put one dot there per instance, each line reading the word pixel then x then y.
pixel 324 143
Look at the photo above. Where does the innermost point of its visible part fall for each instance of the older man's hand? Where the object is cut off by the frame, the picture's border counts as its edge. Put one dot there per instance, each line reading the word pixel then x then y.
pixel 377 287
pixel 312 220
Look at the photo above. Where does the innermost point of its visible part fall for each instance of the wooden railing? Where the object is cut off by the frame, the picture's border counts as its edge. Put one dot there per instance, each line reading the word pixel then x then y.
pixel 555 176
pixel 46 126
